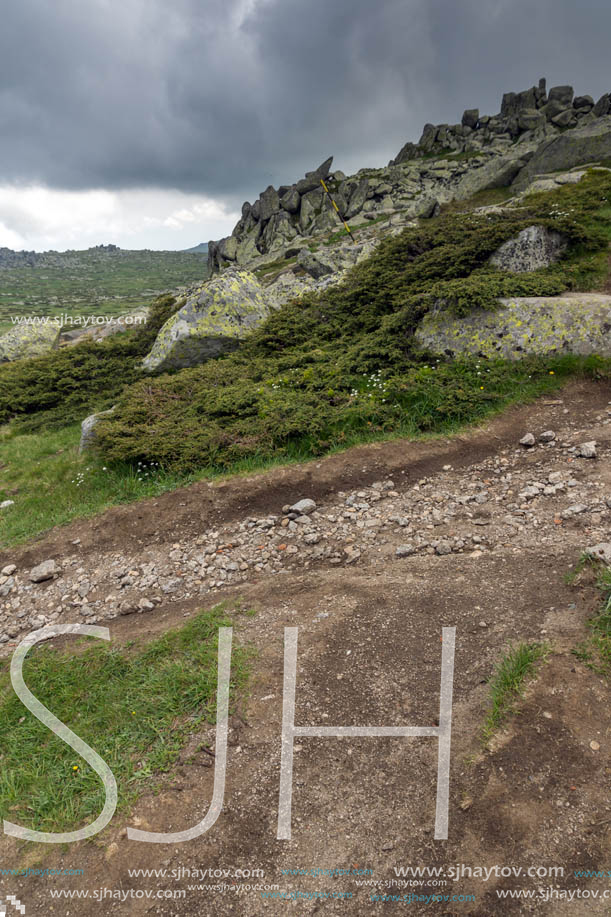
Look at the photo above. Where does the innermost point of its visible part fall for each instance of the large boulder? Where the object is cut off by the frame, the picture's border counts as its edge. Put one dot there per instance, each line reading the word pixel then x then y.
pixel 498 172
pixel 583 103
pixel 312 179
pixel 214 319
pixel 270 203
pixel 315 265
pixel 578 324
pixel 603 106
pixel 290 201
pixel 530 119
pixel 534 248
pixel 515 102
pixel 587 143
pixel 25 341
pixel 561 94
pixel 357 199
pixel 566 118
pixel 470 118
pixel 228 248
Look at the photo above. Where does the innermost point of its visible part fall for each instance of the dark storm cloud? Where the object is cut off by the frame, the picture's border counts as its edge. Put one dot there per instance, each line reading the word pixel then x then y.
pixel 223 98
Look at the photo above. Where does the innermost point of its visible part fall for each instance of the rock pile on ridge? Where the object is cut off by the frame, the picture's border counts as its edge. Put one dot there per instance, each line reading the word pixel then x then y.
pixel 535 132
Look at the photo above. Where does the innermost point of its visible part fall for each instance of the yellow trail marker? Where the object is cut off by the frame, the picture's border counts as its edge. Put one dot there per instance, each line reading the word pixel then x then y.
pixel 336 208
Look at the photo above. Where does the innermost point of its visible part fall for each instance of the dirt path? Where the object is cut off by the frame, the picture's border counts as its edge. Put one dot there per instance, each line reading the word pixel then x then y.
pixel 489 558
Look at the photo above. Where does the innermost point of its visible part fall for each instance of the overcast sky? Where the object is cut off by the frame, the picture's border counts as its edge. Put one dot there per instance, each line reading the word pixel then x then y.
pixel 148 122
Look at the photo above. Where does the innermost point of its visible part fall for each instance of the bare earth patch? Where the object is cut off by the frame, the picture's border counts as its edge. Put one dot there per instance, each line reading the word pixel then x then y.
pixel 369 654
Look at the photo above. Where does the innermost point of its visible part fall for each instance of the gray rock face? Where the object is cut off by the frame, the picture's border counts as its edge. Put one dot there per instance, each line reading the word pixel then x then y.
pixel 228 248
pixel 88 426
pixel 562 94
pixel 499 172
pixel 213 320
pixel 588 143
pixel 566 118
pixel 25 341
pixel 579 324
pixel 530 119
pixel 357 198
pixel 313 264
pixel 583 102
pixel 534 248
pixel 428 208
pixel 603 106
pixel 515 102
pixel 470 118
pixel 291 201
pixel 270 203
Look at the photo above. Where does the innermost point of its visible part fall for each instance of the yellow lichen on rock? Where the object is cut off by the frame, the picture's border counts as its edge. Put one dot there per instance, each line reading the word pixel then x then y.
pixel 29 340
pixel 213 320
pixel 578 324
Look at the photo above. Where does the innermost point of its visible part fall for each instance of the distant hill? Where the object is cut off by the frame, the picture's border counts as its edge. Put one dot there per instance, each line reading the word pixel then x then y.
pixel 201 249
pixel 103 280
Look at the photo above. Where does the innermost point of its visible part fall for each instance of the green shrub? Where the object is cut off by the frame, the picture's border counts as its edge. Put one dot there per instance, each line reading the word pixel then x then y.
pixel 302 383
pixel 60 388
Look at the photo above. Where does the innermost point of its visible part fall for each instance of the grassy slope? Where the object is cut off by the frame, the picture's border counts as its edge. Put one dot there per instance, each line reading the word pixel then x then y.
pixel 320 375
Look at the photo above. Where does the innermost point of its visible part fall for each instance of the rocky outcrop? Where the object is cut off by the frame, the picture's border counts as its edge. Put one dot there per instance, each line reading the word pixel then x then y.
pixel 531 111
pixel 25 341
pixel 578 324
pixel 532 249
pixel 216 316
pixel 68 259
pixel 534 132
pixel 276 218
pixel 587 143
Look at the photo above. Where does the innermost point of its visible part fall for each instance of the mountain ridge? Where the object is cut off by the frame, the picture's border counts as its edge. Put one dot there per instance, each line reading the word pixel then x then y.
pixel 448 162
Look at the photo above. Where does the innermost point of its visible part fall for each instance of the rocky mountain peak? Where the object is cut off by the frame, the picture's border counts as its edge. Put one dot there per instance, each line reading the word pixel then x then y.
pixel 450 161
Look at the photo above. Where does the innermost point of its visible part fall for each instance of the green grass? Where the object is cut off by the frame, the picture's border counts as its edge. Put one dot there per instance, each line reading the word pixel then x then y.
pixel 273 267
pixel 94 283
pixel 51 484
pixel 64 386
pixel 341 235
pixel 135 705
pixel 321 374
pixel 487 198
pixel 508 682
pixel 595 652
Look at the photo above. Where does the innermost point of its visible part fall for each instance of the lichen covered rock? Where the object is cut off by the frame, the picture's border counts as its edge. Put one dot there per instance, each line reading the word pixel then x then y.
pixel 214 319
pixel 578 324
pixel 25 341
pixel 534 248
